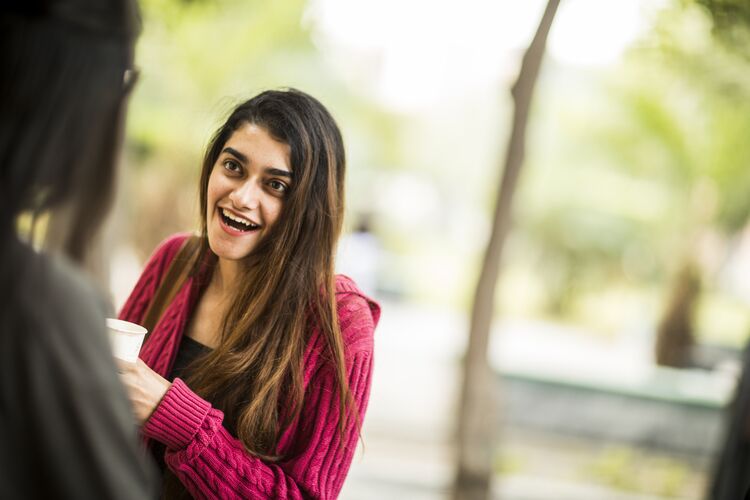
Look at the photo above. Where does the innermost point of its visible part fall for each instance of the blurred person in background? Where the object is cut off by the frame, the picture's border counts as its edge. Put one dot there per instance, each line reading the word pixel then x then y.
pixel 255 380
pixel 68 429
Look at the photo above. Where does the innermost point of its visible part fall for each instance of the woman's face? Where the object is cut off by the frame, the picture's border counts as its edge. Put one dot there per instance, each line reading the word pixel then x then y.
pixel 246 190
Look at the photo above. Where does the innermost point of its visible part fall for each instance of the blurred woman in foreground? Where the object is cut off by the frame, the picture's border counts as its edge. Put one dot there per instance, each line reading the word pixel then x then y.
pixel 67 429
pixel 256 377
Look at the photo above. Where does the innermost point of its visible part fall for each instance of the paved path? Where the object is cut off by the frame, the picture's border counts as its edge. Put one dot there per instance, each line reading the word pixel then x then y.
pixel 407 431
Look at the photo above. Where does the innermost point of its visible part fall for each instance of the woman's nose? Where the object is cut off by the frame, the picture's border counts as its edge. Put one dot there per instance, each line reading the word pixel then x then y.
pixel 246 196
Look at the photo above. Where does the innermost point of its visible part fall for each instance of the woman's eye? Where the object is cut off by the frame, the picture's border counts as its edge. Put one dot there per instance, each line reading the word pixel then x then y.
pixel 232 165
pixel 278 186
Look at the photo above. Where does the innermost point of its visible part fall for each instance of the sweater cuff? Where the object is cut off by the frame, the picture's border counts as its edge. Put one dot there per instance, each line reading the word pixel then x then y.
pixel 178 417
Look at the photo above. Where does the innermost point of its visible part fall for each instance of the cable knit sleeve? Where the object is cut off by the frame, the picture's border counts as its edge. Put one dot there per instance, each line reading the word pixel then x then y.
pixel 211 463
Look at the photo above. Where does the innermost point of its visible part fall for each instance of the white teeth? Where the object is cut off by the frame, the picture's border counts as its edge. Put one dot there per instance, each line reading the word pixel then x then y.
pixel 230 215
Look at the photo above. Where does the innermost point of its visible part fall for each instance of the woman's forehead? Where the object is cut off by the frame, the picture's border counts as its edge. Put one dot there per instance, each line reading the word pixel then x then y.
pixel 252 143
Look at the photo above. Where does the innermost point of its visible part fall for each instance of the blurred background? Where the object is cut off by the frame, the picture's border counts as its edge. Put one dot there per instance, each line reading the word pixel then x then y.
pixel 622 301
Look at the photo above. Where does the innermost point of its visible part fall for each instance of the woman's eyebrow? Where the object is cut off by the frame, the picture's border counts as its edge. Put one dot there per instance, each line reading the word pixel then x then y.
pixel 235 153
pixel 244 159
pixel 279 172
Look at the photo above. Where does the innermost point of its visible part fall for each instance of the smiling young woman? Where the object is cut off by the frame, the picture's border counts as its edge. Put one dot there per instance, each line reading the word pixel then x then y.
pixel 254 382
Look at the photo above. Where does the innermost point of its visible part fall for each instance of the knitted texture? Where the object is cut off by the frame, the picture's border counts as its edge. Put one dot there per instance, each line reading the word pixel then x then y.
pixel 208 460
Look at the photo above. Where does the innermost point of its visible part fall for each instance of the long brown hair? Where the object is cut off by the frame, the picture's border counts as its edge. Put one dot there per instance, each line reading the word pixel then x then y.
pixel 287 281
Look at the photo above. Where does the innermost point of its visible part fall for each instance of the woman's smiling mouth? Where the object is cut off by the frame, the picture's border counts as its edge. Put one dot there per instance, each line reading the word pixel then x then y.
pixel 233 221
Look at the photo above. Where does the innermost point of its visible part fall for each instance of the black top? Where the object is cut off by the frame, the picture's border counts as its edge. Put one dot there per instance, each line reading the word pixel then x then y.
pixel 188 351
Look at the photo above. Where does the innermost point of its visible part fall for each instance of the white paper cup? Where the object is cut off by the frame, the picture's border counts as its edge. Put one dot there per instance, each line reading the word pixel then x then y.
pixel 126 339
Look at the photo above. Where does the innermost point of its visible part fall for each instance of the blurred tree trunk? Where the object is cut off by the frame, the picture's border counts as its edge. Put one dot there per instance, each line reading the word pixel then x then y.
pixel 674 335
pixel 675 331
pixel 476 415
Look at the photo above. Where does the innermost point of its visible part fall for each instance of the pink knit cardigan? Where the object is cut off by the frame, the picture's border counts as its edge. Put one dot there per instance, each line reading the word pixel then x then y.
pixel 208 460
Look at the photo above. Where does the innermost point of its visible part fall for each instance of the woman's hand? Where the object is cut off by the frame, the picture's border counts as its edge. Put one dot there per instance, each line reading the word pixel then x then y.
pixel 145 387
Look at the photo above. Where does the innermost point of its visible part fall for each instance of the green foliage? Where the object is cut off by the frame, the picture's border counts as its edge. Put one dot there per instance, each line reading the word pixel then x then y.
pixel 696 108
pixel 627 167
pixel 193 54
pixel 731 21
pixel 630 470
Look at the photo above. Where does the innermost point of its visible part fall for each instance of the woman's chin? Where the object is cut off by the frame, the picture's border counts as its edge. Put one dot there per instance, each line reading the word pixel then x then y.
pixel 229 250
